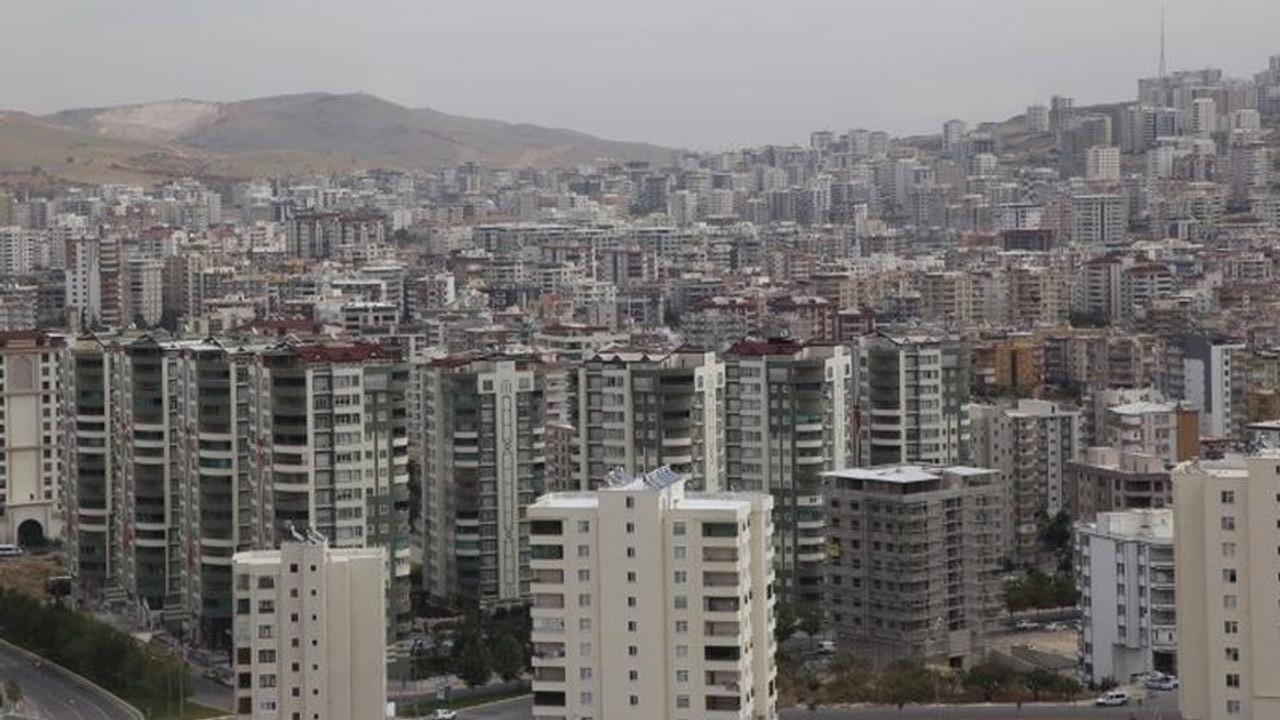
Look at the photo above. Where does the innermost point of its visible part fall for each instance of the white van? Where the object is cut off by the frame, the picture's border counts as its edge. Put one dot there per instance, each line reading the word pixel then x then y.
pixel 1113 698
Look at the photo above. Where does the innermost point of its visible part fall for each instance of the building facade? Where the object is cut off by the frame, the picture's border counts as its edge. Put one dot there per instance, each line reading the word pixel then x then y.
pixel 308 632
pixel 650 603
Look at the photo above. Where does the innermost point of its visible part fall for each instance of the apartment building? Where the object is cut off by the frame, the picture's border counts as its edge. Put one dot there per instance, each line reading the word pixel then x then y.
pixel 1167 430
pixel 94 527
pixel 32 453
pixel 1225 539
pixel 1125 568
pixel 640 409
pixel 789 417
pixel 915 561
pixel 481 421
pixel 1109 480
pixel 652 603
pixel 1030 444
pixel 912 398
pixel 308 631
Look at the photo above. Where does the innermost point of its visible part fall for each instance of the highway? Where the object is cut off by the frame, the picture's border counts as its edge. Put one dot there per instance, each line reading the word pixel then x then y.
pixel 50 694
pixel 1163 708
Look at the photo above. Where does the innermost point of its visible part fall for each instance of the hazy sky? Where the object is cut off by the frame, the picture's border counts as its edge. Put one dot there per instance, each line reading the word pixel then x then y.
pixel 697 73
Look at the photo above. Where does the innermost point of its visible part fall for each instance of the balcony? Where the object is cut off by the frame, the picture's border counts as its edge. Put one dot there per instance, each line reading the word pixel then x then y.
pixel 549 674
pixel 721 653
pixel 719 554
pixel 548 650
pixel 721 604
pixel 721 629
pixel 720 579
pixel 548 577
pixel 546 552
pixel 548 601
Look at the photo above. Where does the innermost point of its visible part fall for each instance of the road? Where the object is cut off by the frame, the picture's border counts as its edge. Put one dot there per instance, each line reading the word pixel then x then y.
pixel 50 694
pixel 1163 708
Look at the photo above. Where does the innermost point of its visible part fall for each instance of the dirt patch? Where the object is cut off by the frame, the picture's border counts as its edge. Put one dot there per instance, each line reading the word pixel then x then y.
pixel 29 574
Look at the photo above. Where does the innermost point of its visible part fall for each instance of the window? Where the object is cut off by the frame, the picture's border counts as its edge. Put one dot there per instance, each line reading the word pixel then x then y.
pixel 584 526
pixel 1229 602
pixel 1233 707
pixel 631 576
pixel 1228 522
pixel 584 649
pixel 266 656
pixel 677 529
pixel 680 552
pixel 631 503
pixel 682 626
pixel 631 601
pixel 635 700
pixel 266 681
pixel 634 675
pixel 584 624
pixel 584 575
pixel 632 650
pixel 1229 549
pixel 1233 654
pixel 631 527
pixel 584 600
pixel 1231 627
pixel 682 651
pixel 584 673
pixel 1228 575
pixel 585 699
pixel 631 552
pixel 682 701
pixel 1233 680
pixel 631 626
pixel 1228 497
pixel 264 632
pixel 681 602
pixel 266 582
pixel 681 577
pixel 682 676
pixel 584 551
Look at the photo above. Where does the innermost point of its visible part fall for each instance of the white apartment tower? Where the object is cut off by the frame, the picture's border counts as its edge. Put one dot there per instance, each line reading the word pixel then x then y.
pixel 1124 562
pixel 32 456
pixel 1226 531
pixel 308 632
pixel 1102 164
pixel 650 603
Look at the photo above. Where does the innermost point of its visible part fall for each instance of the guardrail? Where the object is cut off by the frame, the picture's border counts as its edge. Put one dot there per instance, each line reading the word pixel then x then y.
pixel 77 679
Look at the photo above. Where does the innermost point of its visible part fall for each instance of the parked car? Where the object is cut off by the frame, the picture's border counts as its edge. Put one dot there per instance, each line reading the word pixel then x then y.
pixel 1158 681
pixel 1025 625
pixel 1113 698
pixel 826 647
pixel 1056 626
pixel 444 714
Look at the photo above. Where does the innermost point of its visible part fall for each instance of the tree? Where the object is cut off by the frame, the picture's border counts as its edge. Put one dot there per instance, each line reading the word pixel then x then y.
pixel 988 679
pixel 508 657
pixel 1056 535
pixel 810 622
pixel 850 678
pixel 13 694
pixel 784 623
pixel 472 662
pixel 1039 681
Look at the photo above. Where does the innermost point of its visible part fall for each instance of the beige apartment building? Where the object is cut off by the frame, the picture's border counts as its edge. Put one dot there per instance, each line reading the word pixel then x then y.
pixel 1226 535
pixel 915 561
pixel 32 452
pixel 309 632
pixel 652 604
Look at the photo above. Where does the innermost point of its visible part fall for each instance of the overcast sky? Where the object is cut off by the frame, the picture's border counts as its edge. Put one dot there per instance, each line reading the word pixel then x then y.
pixel 697 73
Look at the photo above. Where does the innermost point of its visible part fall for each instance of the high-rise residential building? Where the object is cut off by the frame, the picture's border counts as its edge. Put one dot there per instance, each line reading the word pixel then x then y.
pixel 953 132
pixel 1037 119
pixel 32 452
pixel 93 525
pixel 331 431
pixel 308 631
pixel 1102 164
pixel 639 409
pixel 912 400
pixel 1109 480
pixel 789 417
pixel 84 279
pixel 1228 578
pixel 145 296
pixel 1169 431
pixel 652 603
pixel 1211 384
pixel 482 420
pixel 1030 444
pixel 1098 219
pixel 1125 566
pixel 1204 116
pixel 915 561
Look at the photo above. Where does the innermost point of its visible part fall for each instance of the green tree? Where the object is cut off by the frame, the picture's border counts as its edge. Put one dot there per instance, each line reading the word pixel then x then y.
pixel 1039 681
pixel 784 623
pixel 471 660
pixel 810 622
pixel 988 679
pixel 508 657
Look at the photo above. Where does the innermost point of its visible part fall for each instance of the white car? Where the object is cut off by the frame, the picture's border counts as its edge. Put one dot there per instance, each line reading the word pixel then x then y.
pixel 443 714
pixel 1114 698
pixel 1161 682
pixel 1025 625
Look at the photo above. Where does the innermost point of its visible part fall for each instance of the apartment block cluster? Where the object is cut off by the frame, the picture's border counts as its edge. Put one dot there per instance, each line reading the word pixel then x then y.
pixel 893 360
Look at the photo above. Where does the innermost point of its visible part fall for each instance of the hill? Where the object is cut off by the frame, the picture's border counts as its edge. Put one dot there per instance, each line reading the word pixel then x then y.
pixel 282 135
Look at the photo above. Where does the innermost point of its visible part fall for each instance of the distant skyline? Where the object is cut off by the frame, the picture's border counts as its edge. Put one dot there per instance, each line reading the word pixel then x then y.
pixel 703 74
